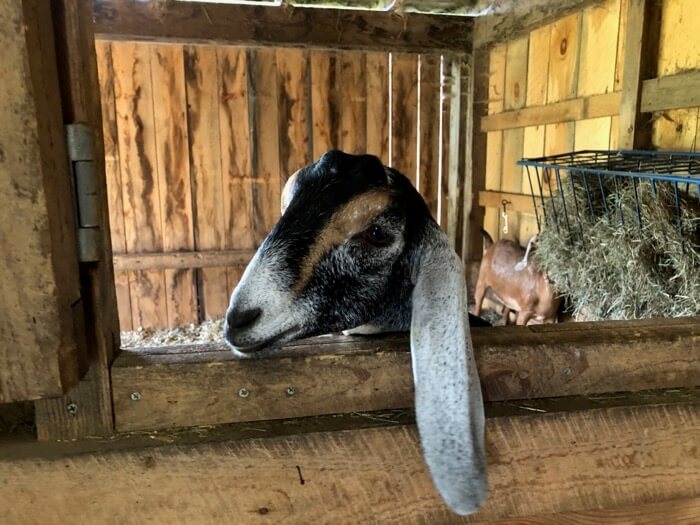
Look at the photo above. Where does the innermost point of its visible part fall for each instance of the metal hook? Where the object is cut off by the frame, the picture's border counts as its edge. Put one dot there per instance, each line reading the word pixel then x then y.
pixel 504 215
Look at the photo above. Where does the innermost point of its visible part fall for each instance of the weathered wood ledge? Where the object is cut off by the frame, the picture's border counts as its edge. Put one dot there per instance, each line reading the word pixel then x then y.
pixel 205 384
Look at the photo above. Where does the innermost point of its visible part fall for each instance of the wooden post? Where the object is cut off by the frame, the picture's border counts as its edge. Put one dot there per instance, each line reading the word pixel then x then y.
pixel 90 402
pixel 453 164
pixel 41 353
pixel 480 74
pixel 640 59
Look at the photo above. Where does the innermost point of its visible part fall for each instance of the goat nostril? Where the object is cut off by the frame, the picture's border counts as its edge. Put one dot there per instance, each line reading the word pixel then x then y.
pixel 243 318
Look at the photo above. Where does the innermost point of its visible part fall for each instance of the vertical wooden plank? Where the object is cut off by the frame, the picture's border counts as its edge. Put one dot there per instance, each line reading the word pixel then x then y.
pixel 75 50
pixel 640 63
pixel 353 94
pixel 236 163
pixel 266 188
pixel 466 140
pixel 678 51
pixel 170 106
pixel 378 105
pixel 599 34
pixel 404 85
pixel 564 58
pixel 429 130
pixel 562 80
pixel 40 353
pixel 494 141
pixel 324 103
pixel 295 141
pixel 445 88
pixel 140 192
pixel 480 75
pixel 201 74
pixel 107 80
pixel 514 98
pixel 619 63
pixel 533 136
pixel 455 158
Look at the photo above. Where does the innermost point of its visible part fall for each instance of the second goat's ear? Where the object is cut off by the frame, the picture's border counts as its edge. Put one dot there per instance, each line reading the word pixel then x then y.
pixel 288 191
pixel 449 406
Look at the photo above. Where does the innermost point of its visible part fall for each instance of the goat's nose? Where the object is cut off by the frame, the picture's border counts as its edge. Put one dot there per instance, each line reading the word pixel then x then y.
pixel 238 319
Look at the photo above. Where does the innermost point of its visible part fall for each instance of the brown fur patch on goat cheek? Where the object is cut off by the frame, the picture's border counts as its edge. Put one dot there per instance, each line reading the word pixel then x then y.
pixel 352 218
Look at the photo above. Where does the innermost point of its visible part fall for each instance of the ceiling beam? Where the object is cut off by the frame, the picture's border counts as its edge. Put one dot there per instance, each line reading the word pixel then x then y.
pixel 280 26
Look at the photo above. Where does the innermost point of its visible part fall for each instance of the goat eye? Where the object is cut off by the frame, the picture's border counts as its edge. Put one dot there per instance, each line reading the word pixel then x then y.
pixel 375 236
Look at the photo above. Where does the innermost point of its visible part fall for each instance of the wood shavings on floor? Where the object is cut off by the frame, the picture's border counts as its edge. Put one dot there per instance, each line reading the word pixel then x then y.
pixel 207 332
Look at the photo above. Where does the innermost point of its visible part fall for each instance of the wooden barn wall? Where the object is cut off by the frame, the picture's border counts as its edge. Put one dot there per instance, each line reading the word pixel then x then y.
pixel 200 139
pixel 579 56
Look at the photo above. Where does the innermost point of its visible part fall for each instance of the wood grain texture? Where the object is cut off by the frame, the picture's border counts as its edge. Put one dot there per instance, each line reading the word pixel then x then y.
pixel 253 25
pixel 40 353
pixel 538 464
pixel 138 166
pixel 353 107
pixel 429 132
pixel 494 140
pixel 173 172
pixel 294 109
pixel 333 375
pixel 572 110
pixel 671 92
pixel 377 68
pixel 523 18
pixel 472 251
pixel 676 511
pixel 533 136
pixel 599 34
pixel 81 103
pixel 641 49
pixel 678 55
pixel 201 73
pixel 404 85
pixel 515 96
pixel 236 161
pixel 324 102
pixel 453 175
pixel 267 185
pixel 110 133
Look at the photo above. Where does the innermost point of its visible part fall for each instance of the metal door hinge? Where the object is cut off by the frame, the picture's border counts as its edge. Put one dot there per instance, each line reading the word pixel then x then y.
pixel 79 140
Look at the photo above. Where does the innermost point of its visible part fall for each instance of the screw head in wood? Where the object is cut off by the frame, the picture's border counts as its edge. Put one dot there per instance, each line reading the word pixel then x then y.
pixel 243 392
pixel 291 390
pixel 135 396
pixel 72 409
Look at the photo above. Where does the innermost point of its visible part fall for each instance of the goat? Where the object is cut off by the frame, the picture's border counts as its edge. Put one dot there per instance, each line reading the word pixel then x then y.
pixel 356 248
pixel 515 282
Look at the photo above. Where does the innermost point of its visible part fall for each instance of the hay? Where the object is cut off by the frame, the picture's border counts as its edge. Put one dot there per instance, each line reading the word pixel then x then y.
pixel 613 269
pixel 207 332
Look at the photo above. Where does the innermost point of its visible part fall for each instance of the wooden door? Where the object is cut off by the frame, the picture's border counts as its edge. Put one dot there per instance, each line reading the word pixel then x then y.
pixel 41 320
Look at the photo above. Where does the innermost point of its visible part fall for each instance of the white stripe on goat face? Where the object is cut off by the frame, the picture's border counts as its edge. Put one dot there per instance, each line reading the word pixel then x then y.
pixel 264 287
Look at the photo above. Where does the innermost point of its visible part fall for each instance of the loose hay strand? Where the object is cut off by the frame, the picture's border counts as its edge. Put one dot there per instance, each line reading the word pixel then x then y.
pixel 613 268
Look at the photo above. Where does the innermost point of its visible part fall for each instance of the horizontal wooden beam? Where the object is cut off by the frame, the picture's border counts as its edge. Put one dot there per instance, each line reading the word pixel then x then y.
pixel 538 464
pixel 658 94
pixel 567 111
pixel 671 92
pixel 516 201
pixel 523 17
pixel 200 384
pixel 280 26
pixel 181 260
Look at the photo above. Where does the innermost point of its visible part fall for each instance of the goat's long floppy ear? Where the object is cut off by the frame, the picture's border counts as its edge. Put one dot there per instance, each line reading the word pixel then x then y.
pixel 288 191
pixel 449 406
